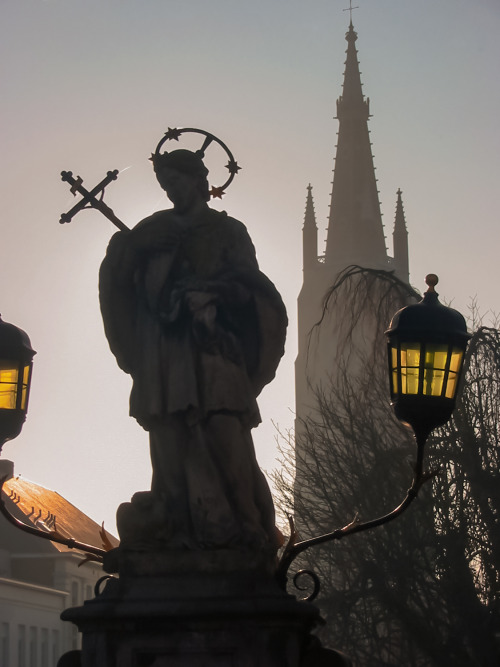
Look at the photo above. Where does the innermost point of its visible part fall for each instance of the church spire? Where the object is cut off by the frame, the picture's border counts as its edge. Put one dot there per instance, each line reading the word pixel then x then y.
pixel 355 231
pixel 400 242
pixel 309 234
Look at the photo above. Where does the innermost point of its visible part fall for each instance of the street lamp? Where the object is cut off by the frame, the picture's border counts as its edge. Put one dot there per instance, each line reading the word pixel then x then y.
pixel 16 363
pixel 426 344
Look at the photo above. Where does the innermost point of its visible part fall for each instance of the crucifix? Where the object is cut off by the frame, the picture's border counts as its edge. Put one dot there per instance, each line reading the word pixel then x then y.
pixel 350 9
pixel 92 199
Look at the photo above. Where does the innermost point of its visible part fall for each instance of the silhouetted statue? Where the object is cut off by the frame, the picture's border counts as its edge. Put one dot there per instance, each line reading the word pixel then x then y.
pixel 201 330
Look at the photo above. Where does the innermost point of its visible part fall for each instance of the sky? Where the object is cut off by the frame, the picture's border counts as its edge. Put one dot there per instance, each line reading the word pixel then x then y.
pixel 91 86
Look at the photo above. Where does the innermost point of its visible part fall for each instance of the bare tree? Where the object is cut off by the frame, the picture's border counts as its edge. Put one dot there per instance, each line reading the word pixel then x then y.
pixel 467 505
pixel 423 590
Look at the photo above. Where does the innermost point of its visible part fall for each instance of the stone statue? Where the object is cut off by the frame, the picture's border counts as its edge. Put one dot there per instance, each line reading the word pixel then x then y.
pixel 201 330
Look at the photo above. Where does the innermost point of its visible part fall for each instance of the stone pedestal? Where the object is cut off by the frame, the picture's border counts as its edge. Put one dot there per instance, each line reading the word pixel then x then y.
pixel 181 610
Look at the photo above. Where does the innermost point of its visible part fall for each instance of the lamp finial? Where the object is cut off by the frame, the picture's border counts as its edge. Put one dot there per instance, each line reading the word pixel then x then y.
pixel 431 280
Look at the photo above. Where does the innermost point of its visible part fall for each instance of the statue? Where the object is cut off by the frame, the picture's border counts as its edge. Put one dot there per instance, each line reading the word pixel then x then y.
pixel 200 329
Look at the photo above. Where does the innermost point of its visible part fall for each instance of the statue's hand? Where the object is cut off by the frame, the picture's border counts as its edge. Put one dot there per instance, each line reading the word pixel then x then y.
pixel 203 309
pixel 197 300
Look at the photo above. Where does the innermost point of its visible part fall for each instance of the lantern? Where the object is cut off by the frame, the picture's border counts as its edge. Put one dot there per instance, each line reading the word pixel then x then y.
pixel 426 345
pixel 16 363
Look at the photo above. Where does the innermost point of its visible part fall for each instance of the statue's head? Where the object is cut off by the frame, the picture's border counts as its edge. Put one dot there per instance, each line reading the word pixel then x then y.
pixel 181 173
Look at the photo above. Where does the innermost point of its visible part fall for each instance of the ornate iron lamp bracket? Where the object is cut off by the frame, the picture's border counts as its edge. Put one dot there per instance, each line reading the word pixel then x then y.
pixel 426 345
pixel 294 548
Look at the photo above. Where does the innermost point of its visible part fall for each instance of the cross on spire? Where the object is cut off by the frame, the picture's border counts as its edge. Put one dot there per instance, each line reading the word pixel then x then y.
pixel 350 10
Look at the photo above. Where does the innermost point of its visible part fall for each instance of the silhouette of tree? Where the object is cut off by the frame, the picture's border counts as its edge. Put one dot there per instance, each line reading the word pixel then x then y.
pixel 423 590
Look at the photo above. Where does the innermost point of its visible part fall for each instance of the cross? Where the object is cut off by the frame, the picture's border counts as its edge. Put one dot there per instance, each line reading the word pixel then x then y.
pixel 92 199
pixel 350 9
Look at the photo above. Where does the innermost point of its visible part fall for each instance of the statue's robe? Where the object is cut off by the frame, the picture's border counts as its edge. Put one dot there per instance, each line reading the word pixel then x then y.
pixel 201 331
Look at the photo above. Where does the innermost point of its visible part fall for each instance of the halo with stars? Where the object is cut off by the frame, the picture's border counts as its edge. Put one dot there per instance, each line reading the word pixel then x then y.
pixel 232 166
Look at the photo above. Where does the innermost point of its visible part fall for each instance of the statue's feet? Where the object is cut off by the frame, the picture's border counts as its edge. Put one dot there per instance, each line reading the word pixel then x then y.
pixel 146 523
pixel 143 523
pixel 149 523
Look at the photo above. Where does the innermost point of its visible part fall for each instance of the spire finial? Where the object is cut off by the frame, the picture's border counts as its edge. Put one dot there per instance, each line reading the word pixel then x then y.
pixel 350 10
pixel 310 216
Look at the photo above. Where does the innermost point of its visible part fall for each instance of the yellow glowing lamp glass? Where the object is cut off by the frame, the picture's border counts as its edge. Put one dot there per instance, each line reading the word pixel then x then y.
pixel 425 369
pixel 14 383
pixel 426 345
pixel 16 363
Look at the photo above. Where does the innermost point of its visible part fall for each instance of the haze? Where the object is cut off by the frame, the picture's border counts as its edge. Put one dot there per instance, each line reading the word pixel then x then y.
pixel 92 86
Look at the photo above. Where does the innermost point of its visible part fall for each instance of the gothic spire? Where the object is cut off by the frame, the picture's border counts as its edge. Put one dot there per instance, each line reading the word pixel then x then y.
pixel 355 231
pixel 400 241
pixel 309 233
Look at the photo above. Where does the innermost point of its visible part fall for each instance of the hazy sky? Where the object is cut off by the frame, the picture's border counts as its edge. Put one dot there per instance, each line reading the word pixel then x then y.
pixel 91 85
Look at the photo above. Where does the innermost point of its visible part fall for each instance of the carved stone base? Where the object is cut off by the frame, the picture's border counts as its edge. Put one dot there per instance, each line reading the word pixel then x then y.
pixel 195 619
pixel 170 563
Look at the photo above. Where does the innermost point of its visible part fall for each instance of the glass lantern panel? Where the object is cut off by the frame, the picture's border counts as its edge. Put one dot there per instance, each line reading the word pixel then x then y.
pixel 435 363
pixel 410 355
pixel 456 360
pixel 451 385
pixel 433 382
pixel 26 378
pixel 394 369
pixel 409 380
pixel 394 382
pixel 436 356
pixel 455 367
pixel 410 362
pixel 8 386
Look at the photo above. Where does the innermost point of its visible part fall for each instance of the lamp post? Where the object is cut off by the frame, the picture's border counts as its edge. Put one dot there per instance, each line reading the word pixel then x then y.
pixel 426 347
pixel 16 363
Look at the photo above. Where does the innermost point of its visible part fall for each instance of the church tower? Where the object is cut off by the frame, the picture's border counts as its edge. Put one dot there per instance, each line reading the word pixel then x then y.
pixel 355 235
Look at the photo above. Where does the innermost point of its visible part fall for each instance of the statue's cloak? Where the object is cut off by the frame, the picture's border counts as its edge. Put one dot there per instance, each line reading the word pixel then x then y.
pixel 197 325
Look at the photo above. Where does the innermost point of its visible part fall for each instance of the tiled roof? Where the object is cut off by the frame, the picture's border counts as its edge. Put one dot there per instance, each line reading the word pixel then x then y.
pixel 48 510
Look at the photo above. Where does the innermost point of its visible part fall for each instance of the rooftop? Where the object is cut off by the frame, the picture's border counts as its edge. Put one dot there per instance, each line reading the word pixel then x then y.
pixel 47 510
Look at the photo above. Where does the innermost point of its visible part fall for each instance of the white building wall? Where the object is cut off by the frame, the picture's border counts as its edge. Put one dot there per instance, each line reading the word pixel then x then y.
pixel 31 632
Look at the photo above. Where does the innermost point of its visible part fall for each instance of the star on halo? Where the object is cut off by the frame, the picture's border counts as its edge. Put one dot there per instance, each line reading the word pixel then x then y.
pixel 216 192
pixel 233 167
pixel 173 133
